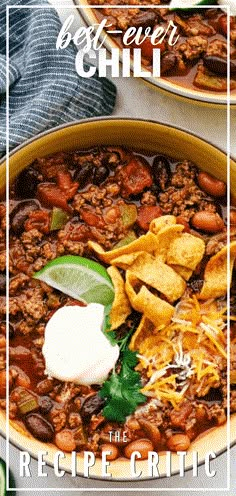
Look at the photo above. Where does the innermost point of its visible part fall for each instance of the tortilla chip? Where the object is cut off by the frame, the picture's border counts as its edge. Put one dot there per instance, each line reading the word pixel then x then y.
pixel 159 276
pixel 164 237
pixel 160 222
pixel 148 242
pixel 215 275
pixel 121 308
pixel 125 261
pixel 145 329
pixel 154 308
pixel 182 271
pixel 186 250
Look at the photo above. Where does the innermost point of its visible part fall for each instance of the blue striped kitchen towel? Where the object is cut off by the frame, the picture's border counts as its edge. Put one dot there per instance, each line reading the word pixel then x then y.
pixel 44 88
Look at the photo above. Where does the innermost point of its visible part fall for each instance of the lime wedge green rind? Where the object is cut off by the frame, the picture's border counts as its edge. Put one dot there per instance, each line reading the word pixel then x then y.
pixel 80 278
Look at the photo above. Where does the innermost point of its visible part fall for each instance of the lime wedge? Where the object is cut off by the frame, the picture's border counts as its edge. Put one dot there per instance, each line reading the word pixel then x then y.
pixel 79 277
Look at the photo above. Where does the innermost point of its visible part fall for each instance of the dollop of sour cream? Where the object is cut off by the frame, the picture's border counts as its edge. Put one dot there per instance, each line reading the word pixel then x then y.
pixel 75 348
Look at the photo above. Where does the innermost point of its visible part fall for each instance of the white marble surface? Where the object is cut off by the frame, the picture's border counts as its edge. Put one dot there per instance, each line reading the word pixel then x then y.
pixel 136 99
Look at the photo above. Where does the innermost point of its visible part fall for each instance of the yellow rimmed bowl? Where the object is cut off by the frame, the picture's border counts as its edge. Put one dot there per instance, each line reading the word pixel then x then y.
pixel 165 85
pixel 143 136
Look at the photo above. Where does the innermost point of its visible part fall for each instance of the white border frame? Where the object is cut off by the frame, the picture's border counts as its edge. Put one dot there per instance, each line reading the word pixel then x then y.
pixel 228 142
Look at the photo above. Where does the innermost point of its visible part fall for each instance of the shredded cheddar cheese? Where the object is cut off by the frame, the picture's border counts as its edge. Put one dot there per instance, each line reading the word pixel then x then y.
pixel 187 353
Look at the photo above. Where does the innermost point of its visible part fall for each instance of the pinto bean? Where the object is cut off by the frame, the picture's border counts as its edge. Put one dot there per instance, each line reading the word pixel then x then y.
pixel 143 446
pixel 65 440
pixel 151 430
pixel 39 427
pixel 178 442
pixel 114 452
pixel 211 185
pixel 208 221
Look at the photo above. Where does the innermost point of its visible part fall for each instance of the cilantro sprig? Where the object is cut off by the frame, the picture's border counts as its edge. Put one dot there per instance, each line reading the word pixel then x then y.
pixel 122 390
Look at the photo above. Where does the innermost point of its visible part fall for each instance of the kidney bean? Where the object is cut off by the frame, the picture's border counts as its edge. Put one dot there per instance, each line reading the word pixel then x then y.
pixel 208 221
pixel 20 213
pixel 114 452
pixel 161 171
pixel 39 427
pixel 27 182
pixel 151 430
pixel 232 217
pixel 218 65
pixel 84 175
pixel 211 185
pixel 143 446
pixel 91 405
pixel 168 62
pixel 2 283
pixel 144 19
pixel 100 174
pixel 65 440
pixel 178 442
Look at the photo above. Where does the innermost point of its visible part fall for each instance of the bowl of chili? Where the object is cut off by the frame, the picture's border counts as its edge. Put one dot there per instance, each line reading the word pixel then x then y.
pixel 98 160
pixel 195 67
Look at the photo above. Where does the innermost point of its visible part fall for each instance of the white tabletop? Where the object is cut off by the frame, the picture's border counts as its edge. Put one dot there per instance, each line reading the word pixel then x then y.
pixel 136 99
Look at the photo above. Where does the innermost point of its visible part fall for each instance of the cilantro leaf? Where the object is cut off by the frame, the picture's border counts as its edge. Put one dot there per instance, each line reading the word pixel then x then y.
pixel 122 390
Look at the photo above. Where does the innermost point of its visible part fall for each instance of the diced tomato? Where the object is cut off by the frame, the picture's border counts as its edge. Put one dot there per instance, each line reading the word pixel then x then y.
pixel 146 214
pixel 49 194
pixel 147 48
pixel 181 220
pixel 65 183
pixel 135 177
pixel 38 219
pixel 91 218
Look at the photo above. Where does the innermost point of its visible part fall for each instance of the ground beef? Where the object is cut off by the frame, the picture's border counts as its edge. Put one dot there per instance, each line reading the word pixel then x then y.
pixel 193 47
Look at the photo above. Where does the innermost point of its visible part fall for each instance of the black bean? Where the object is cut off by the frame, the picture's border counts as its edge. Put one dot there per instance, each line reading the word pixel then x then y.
pixel 84 175
pixel 144 19
pixel 20 213
pixel 91 405
pixel 100 174
pixel 2 283
pixel 45 404
pixel 39 427
pixel 26 183
pixel 161 171
pixel 218 65
pixel 168 62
